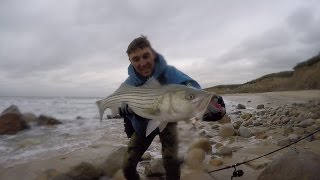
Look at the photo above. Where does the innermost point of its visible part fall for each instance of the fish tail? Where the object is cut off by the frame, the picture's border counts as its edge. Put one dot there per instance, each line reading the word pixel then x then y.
pixel 101 110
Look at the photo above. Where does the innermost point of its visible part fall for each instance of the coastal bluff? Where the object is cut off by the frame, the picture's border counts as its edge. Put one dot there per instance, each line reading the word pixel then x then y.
pixel 305 76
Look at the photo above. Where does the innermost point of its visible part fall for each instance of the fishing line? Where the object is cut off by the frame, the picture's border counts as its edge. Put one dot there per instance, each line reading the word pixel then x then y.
pixel 239 173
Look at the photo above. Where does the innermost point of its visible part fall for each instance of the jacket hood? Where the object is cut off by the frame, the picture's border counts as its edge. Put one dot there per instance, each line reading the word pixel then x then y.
pixel 159 67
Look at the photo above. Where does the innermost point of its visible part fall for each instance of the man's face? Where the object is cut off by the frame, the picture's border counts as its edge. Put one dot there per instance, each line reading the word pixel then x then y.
pixel 143 61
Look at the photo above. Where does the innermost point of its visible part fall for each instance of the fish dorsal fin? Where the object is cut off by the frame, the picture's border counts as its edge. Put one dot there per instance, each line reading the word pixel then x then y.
pixel 123 87
pixel 151 83
pixel 152 125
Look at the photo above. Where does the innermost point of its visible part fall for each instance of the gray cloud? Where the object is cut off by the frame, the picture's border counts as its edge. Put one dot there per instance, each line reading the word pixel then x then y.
pixel 78 48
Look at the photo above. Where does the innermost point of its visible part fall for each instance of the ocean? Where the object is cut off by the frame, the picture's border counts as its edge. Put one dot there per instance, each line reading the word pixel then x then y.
pixel 81 127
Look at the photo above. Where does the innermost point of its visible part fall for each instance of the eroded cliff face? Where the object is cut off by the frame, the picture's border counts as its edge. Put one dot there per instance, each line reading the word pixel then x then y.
pixel 306 76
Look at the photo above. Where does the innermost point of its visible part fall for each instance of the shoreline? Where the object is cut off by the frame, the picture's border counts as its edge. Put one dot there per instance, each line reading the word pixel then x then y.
pixel 97 152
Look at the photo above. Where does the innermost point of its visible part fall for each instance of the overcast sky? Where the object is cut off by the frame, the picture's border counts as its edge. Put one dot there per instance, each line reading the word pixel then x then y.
pixel 77 47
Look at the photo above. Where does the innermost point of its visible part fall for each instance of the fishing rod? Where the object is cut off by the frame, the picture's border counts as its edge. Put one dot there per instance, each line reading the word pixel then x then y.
pixel 239 173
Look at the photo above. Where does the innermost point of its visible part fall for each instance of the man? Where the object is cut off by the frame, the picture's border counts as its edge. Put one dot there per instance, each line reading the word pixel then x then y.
pixel 144 63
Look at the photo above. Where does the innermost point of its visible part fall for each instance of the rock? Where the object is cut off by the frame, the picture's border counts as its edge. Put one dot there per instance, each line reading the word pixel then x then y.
pixel 114 161
pixel 287 130
pixel 245 132
pixel 306 123
pixel 246 116
pixel 247 123
pixel 11 123
pixel 215 126
pixel 285 120
pixel 293 137
pixel 226 130
pixel 261 135
pixel 237 124
pixel 195 158
pixel 146 156
pixel 201 143
pixel 84 171
pixel 155 168
pixel 260 106
pixel 215 162
pixel 236 112
pixel 258 163
pixel 29 117
pixel 298 130
pixel 218 145
pixel 261 113
pixel 284 142
pixel 47 174
pixel 317 122
pixel 310 129
pixel 226 119
pixel 257 123
pixel 47 121
pixel 80 117
pixel 11 109
pixel 224 150
pixel 293 166
pixel 202 133
pixel 241 106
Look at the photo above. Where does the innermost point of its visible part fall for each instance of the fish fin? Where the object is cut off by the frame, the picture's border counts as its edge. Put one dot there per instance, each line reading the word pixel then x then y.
pixel 152 111
pixel 151 83
pixel 145 113
pixel 152 125
pixel 123 87
pixel 162 125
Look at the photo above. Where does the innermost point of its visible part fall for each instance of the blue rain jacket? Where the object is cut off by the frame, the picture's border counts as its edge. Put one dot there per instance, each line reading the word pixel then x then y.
pixel 165 74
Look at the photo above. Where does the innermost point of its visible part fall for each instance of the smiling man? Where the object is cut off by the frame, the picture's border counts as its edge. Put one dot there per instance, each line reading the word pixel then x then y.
pixel 144 63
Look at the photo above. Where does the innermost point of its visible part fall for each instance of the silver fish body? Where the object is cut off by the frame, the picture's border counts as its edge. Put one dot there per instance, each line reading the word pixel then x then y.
pixel 159 103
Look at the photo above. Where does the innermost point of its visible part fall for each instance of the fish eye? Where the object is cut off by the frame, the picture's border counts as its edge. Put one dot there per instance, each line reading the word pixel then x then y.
pixel 190 96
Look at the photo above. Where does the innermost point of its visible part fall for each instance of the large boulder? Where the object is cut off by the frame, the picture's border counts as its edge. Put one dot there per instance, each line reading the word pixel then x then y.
pixel 11 109
pixel 11 123
pixel 293 166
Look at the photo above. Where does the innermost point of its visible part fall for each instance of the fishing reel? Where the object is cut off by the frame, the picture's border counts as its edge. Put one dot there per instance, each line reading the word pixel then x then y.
pixel 236 173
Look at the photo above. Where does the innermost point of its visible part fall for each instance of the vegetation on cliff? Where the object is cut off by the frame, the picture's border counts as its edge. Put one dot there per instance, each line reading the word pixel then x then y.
pixel 305 75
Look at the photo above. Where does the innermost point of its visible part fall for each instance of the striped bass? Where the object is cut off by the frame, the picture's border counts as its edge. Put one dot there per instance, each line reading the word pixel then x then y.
pixel 159 103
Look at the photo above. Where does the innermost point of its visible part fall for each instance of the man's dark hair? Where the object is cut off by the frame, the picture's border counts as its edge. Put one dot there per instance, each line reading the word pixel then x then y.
pixel 138 43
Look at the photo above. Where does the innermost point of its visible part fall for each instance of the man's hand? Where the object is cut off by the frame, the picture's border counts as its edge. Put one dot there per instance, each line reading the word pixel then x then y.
pixel 124 110
pixel 215 110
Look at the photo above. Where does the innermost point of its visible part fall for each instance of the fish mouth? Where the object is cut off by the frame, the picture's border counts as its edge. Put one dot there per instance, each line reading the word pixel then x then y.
pixel 200 105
